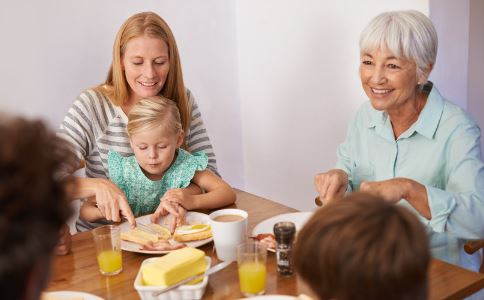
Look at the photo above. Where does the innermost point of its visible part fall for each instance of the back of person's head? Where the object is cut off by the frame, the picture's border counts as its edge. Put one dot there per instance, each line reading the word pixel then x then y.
pixel 154 112
pixel 33 204
pixel 362 247
pixel 407 34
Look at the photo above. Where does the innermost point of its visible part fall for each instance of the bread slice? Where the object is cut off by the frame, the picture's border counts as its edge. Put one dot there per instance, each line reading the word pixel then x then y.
pixel 142 237
pixel 196 235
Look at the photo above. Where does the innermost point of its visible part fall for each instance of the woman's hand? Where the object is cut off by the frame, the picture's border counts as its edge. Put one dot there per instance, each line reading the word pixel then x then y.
pixel 391 190
pixel 64 244
pixel 331 184
pixel 112 202
pixel 395 189
pixel 169 207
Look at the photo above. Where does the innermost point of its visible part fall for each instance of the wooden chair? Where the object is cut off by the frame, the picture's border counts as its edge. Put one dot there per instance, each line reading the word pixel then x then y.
pixel 471 247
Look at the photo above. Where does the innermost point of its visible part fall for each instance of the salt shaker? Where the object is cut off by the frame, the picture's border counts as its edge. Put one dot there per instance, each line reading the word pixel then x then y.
pixel 284 233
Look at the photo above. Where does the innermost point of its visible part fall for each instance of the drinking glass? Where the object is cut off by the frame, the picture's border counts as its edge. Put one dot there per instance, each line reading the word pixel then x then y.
pixel 107 240
pixel 251 260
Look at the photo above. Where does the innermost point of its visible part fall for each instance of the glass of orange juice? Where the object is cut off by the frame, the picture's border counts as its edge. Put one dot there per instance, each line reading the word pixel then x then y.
pixel 251 260
pixel 108 249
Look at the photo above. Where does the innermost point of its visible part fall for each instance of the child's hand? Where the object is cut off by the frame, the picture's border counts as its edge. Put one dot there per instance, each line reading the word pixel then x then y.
pixel 183 197
pixel 168 207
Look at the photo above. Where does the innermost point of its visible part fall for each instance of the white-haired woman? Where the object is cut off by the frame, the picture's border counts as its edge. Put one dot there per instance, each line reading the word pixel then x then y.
pixel 408 144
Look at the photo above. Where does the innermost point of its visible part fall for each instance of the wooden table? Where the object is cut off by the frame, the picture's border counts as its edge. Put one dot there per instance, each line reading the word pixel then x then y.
pixel 79 271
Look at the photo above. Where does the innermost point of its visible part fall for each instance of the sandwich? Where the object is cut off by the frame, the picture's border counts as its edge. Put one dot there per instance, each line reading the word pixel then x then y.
pixel 194 232
pixel 141 236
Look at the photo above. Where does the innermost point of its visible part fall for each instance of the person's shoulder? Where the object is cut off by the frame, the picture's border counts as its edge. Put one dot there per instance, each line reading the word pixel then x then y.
pixel 454 115
pixel 92 97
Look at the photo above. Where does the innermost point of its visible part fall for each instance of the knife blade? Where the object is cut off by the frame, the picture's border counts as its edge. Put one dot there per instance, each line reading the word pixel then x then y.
pixel 209 272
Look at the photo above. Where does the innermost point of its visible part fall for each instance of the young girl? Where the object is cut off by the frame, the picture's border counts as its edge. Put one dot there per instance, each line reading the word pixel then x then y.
pixel 154 179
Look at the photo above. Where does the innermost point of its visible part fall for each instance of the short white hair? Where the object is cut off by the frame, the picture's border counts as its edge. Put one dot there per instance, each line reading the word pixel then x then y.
pixel 409 34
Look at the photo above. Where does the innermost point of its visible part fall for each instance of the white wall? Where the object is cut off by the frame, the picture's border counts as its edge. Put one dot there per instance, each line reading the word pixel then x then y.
pixel 450 74
pixel 476 65
pixel 53 49
pixel 299 87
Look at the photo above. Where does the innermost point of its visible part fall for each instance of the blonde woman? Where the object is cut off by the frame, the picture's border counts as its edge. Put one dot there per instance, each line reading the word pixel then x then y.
pixel 145 63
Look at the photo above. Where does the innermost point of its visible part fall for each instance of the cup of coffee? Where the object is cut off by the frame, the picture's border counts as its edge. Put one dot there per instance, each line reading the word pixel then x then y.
pixel 229 229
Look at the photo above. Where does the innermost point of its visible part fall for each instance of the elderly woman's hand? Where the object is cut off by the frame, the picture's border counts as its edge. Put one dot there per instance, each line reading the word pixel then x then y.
pixel 395 189
pixel 112 202
pixel 331 184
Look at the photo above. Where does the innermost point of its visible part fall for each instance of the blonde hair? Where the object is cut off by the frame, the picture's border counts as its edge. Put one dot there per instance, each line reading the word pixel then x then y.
pixel 153 112
pixel 116 87
pixel 409 34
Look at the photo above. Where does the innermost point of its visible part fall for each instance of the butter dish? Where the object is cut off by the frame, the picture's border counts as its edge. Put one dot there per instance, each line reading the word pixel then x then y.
pixel 184 292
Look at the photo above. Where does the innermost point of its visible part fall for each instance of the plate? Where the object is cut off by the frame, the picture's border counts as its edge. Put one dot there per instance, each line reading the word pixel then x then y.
pixel 72 294
pixel 267 226
pixel 191 218
pixel 272 297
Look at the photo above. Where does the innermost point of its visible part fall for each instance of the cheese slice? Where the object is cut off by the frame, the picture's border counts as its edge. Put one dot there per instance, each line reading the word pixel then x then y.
pixel 174 267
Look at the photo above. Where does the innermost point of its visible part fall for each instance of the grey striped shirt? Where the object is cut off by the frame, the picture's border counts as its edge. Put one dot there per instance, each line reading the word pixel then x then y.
pixel 94 125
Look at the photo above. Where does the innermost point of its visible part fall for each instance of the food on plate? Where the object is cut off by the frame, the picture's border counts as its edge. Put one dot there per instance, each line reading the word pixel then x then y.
pixel 50 296
pixel 194 232
pixel 267 239
pixel 173 267
pixel 183 233
pixel 140 236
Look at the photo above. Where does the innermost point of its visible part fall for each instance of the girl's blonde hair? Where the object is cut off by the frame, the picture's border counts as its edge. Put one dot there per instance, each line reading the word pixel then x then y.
pixel 116 87
pixel 154 112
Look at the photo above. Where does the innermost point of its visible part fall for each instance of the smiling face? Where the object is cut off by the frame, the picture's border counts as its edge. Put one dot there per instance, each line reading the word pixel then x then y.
pixel 390 82
pixel 146 65
pixel 154 150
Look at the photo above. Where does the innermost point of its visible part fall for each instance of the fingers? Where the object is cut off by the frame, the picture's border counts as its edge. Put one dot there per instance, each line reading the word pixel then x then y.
pixel 182 212
pixel 126 212
pixel 159 212
pixel 64 244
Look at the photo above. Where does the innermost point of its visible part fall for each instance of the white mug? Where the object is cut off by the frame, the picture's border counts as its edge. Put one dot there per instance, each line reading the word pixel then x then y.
pixel 227 235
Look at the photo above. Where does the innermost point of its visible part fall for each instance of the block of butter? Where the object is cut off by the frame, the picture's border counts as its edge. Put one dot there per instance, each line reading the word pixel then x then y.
pixel 174 267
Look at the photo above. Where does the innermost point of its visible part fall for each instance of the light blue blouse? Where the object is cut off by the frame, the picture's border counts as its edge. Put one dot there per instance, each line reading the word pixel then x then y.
pixel 441 150
pixel 143 193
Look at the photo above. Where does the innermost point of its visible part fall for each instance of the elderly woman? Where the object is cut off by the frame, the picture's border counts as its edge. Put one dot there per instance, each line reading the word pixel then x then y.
pixel 408 144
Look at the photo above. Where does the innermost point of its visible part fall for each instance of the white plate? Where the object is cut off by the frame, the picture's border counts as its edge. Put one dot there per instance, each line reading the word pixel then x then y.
pixel 190 218
pixel 72 294
pixel 267 226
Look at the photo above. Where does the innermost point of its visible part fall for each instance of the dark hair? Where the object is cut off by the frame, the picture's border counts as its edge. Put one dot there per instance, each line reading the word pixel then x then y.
pixel 361 247
pixel 33 203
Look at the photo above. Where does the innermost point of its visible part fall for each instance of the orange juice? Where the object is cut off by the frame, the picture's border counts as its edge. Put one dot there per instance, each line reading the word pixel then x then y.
pixel 252 277
pixel 110 261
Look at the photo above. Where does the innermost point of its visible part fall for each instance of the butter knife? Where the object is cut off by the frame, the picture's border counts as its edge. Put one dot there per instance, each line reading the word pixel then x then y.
pixel 209 272
pixel 146 228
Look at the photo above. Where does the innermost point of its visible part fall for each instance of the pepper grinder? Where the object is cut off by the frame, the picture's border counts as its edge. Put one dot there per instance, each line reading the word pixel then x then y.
pixel 284 233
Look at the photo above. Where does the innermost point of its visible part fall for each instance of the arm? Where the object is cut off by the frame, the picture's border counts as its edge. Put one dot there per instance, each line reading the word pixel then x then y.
pixel 331 184
pixel 218 193
pixel 459 208
pixel 110 200
pixel 78 128
pixel 198 139
pixel 392 190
